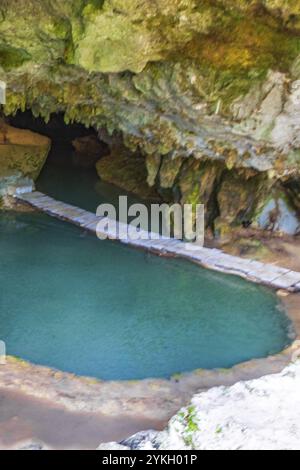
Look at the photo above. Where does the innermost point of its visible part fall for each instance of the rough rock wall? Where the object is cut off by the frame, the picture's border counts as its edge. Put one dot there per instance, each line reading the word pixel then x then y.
pixel 22 151
pixel 212 81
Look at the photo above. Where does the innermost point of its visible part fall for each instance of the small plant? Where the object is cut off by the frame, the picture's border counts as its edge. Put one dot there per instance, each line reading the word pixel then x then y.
pixel 219 430
pixel 190 421
pixel 177 377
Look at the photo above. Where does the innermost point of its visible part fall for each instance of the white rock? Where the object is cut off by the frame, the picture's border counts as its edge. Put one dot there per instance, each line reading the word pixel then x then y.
pixel 262 414
pixel 112 446
pixel 32 445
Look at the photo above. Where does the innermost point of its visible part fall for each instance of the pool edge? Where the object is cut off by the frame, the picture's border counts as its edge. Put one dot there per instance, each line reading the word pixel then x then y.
pixel 151 398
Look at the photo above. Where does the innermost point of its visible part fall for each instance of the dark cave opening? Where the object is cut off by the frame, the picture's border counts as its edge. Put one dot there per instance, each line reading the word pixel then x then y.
pixel 68 140
pixel 70 173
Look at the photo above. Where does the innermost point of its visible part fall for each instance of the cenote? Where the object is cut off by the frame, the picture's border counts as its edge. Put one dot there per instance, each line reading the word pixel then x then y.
pixel 101 309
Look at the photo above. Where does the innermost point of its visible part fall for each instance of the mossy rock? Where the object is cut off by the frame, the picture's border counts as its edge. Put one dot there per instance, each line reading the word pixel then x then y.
pixel 169 171
pixel 153 164
pixel 23 151
pixel 198 182
pixel 239 197
pixel 167 76
pixel 128 172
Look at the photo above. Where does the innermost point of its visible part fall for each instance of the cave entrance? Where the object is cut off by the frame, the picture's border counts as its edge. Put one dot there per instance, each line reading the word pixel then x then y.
pixel 72 144
pixel 85 170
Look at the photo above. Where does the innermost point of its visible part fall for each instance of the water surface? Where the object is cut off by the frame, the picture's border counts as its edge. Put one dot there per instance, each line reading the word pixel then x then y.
pixel 102 309
pixel 81 187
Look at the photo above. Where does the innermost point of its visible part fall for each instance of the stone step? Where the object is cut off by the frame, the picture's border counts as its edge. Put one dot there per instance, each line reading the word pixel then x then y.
pixel 268 274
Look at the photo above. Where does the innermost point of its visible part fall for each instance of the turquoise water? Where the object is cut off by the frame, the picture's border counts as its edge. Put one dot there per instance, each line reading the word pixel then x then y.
pixel 102 309
pixel 83 188
pixel 80 187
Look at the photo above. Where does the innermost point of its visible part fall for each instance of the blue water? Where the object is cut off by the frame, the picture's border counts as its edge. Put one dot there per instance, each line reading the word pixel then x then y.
pixel 83 188
pixel 102 309
pixel 80 187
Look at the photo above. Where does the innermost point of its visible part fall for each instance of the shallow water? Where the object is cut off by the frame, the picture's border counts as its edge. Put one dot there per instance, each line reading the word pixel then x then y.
pixel 102 309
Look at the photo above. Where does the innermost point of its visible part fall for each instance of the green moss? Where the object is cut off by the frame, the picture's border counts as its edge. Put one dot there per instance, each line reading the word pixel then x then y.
pixel 239 197
pixel 126 171
pixel 20 361
pixel 11 57
pixel 190 422
pixel 225 371
pixel 239 53
pixel 153 73
pixel 177 377
pixel 93 7
pixel 191 419
pixel 219 430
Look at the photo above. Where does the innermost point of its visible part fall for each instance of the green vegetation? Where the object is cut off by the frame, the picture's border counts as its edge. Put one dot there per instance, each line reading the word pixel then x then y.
pixel 190 422
pixel 11 57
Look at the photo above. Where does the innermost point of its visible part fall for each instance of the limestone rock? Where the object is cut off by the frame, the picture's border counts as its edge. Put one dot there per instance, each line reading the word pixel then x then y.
pixel 197 183
pixel 13 183
pixel 169 171
pixel 122 35
pixel 292 189
pixel 262 106
pixel 143 440
pixel 173 79
pixel 112 446
pixel 87 151
pixel 277 215
pixel 32 445
pixel 23 151
pixel 238 198
pixel 126 171
pixel 242 417
pixel 285 133
pixel 260 414
pixel 153 164
pixel 188 70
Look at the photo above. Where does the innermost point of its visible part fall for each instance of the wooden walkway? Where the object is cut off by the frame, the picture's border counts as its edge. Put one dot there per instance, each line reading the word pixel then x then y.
pixel 267 274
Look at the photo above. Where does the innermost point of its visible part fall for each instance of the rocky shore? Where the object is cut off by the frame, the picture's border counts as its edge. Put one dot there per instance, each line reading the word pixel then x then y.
pixel 261 414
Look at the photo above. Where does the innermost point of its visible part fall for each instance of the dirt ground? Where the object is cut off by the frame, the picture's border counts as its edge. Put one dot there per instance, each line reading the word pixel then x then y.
pixel 25 419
